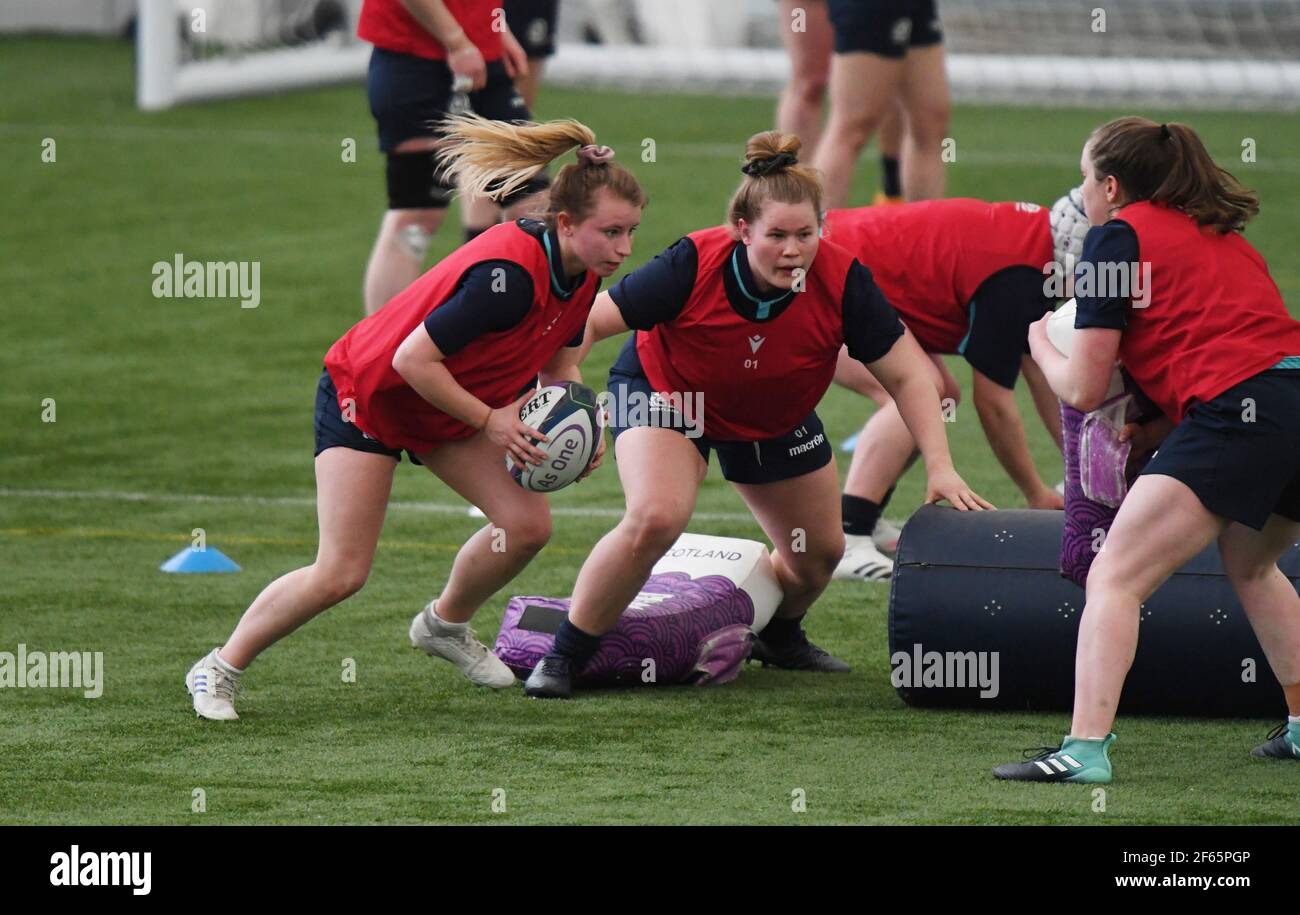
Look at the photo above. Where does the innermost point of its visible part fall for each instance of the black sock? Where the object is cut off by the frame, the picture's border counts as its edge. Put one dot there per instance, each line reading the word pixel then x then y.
pixel 860 515
pixel 889 177
pixel 783 630
pixel 884 503
pixel 574 644
pixel 471 233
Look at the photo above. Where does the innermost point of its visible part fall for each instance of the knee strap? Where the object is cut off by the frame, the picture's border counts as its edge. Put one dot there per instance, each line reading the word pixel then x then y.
pixel 414 182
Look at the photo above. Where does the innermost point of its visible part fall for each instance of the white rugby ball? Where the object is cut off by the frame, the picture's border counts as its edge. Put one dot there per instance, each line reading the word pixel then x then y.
pixel 1060 333
pixel 1060 328
pixel 569 416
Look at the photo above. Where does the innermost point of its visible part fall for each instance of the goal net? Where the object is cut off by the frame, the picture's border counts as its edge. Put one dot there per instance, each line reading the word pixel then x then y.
pixel 1181 53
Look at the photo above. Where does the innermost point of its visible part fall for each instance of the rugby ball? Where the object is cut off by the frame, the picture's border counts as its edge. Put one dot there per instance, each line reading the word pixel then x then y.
pixel 569 416
pixel 1060 333
pixel 1060 328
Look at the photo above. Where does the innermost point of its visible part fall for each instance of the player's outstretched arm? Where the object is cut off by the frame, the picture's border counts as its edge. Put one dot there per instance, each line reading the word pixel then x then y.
pixel 605 320
pixel 996 408
pixel 904 373
pixel 1045 401
pixel 852 374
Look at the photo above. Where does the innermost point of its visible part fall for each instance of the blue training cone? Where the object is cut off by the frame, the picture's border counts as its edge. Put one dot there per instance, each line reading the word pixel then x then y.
pixel 851 442
pixel 206 560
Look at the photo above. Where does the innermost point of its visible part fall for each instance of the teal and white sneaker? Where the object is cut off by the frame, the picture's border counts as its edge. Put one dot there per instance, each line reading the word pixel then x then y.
pixel 1075 760
pixel 1283 742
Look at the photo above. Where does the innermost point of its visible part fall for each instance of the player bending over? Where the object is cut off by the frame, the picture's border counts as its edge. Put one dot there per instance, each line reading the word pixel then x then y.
pixel 967 277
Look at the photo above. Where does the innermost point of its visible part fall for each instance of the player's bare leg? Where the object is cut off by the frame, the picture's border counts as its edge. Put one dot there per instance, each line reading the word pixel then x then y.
pixel 799 110
pixel 1273 608
pixel 924 94
pixel 1046 403
pixel 519 524
pixel 885 449
pixel 478 214
pixel 801 518
pixel 397 259
pixel 519 527
pixel 352 489
pixel 1160 525
pixel 660 470
pixel 862 88
pixel 529 84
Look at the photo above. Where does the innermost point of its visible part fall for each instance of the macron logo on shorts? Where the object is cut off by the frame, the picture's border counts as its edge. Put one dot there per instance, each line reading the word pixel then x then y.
pixel 808 445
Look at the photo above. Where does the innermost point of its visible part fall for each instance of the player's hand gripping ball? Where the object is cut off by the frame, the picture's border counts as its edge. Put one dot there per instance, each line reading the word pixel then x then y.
pixel 568 415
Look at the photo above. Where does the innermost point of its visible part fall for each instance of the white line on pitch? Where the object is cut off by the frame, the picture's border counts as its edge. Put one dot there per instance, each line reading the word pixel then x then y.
pixel 129 132
pixel 442 508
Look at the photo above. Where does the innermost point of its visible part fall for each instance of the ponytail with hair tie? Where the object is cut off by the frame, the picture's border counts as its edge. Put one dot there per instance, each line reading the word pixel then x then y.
pixel 595 155
pixel 1170 166
pixel 758 168
pixel 773 157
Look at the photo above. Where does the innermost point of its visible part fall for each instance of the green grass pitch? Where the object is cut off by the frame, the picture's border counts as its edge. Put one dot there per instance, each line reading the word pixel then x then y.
pixel 173 399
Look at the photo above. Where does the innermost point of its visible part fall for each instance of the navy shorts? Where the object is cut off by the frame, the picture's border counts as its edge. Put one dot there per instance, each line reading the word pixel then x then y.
pixel 1240 452
pixel 333 431
pixel 409 95
pixel 634 402
pixel 884 27
pixel 532 22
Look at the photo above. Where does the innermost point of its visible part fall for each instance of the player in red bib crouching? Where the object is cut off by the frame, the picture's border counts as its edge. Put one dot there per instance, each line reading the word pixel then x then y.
pixel 437 372
pixel 737 333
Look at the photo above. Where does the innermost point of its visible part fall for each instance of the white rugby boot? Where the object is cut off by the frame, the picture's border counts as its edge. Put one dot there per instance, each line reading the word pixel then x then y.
pixel 457 643
pixel 212 683
pixel 863 561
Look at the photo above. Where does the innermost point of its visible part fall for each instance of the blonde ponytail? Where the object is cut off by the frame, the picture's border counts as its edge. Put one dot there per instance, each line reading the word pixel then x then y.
pixel 499 158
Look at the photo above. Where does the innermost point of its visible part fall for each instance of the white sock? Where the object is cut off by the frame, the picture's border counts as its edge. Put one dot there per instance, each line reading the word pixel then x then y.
pixel 233 671
pixel 1294 719
pixel 439 621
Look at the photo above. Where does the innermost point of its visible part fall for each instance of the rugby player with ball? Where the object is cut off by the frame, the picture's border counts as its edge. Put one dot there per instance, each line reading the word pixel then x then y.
pixel 1210 341
pixel 438 372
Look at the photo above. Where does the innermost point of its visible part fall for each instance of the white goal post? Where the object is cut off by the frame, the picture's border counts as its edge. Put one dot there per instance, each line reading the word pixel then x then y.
pixel 241 66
